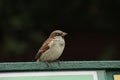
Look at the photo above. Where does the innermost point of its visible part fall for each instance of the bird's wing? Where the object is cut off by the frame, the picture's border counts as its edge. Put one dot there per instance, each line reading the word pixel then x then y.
pixel 44 47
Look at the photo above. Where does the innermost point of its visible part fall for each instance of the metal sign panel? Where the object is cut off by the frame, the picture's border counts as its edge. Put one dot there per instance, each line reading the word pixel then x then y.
pixel 54 75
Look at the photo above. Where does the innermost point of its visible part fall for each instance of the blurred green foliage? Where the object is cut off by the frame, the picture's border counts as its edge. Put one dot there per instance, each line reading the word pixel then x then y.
pixel 24 24
pixel 108 53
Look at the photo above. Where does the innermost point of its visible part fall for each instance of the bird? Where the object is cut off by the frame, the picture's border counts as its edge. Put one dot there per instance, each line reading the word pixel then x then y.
pixel 52 48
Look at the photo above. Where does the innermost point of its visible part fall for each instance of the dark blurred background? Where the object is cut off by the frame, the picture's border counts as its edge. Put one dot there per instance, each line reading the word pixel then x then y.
pixel 92 27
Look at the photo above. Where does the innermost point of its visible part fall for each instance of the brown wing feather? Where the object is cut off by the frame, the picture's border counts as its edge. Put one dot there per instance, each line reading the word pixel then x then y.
pixel 43 48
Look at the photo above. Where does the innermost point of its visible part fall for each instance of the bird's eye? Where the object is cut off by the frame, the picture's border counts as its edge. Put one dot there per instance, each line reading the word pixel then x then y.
pixel 58 34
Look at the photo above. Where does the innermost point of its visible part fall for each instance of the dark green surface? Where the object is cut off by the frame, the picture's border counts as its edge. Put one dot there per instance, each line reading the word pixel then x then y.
pixel 65 65
pixel 101 75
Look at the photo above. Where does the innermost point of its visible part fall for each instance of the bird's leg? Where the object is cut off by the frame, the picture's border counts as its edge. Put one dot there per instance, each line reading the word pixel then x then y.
pixel 58 61
pixel 37 60
pixel 47 63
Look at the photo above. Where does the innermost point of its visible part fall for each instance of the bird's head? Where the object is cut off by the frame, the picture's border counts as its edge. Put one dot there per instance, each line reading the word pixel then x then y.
pixel 57 33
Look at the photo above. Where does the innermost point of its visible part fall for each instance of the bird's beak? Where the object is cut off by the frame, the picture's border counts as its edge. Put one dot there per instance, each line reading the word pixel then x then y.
pixel 64 34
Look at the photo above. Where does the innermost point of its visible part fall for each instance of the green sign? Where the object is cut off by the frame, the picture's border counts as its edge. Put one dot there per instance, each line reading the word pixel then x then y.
pixel 56 75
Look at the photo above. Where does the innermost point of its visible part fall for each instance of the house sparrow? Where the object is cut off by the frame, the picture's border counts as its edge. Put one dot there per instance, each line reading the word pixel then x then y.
pixel 52 48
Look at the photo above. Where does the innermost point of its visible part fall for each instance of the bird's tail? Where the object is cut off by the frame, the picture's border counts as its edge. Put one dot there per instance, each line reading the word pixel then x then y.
pixel 34 60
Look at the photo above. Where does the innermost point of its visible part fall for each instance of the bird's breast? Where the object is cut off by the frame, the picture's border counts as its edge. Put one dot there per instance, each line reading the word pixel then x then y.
pixel 58 47
pixel 55 51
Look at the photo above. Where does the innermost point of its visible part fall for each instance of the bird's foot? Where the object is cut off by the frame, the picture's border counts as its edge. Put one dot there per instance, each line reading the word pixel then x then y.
pixel 47 63
pixel 58 61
